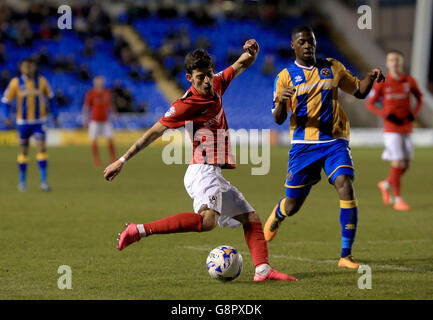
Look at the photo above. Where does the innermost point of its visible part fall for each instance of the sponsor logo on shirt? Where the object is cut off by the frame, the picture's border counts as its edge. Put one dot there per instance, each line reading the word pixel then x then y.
pixel 298 79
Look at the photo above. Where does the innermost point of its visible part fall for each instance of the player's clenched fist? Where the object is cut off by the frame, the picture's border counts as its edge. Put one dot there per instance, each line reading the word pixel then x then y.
pixel 376 74
pixel 287 94
pixel 113 170
pixel 252 47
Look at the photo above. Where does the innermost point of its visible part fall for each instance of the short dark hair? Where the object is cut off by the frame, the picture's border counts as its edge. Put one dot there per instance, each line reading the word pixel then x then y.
pixel 301 28
pixel 395 51
pixel 29 60
pixel 198 59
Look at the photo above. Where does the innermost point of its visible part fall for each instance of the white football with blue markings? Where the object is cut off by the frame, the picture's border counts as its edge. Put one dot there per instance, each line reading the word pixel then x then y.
pixel 224 263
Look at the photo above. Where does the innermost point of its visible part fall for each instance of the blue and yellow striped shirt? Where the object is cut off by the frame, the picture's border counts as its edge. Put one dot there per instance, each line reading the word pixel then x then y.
pixel 316 114
pixel 31 98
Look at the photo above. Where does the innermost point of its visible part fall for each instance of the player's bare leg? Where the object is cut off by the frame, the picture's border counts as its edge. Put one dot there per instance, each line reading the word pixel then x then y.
pixel 22 164
pixel 42 159
pixel 348 219
pixel 206 220
pixel 258 247
pixel 286 207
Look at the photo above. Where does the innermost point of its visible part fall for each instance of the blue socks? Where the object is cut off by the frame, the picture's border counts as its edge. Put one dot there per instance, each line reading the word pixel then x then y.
pixel 280 212
pixel 22 167
pixel 42 164
pixel 348 221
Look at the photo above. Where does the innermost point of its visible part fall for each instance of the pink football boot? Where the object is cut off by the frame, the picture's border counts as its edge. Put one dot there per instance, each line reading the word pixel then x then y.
pixel 128 236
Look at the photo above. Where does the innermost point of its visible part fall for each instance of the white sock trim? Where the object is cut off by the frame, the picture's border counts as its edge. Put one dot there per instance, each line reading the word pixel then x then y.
pixel 263 269
pixel 140 229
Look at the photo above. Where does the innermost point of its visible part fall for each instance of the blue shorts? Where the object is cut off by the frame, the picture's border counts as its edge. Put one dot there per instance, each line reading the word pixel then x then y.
pixel 25 131
pixel 307 160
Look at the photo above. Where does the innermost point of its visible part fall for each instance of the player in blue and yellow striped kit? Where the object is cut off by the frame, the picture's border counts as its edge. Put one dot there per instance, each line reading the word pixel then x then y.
pixel 307 92
pixel 32 93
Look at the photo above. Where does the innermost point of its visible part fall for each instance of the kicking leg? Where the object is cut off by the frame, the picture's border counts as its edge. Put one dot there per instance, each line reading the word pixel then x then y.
pixel 258 247
pixel 206 220
pixel 286 207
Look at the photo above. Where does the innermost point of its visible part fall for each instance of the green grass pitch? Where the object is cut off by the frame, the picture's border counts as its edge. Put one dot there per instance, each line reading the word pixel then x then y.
pixel 76 224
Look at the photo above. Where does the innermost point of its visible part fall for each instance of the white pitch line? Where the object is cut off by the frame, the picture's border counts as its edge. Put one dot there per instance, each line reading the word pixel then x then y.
pixel 300 243
pixel 279 256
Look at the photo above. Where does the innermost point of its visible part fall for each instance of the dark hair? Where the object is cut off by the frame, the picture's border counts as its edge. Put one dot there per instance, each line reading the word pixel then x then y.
pixel 26 60
pixel 198 59
pixel 395 51
pixel 301 28
pixel 29 60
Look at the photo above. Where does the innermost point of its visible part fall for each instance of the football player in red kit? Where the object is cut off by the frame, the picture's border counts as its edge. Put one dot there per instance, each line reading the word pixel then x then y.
pixel 398 116
pixel 216 201
pixel 98 102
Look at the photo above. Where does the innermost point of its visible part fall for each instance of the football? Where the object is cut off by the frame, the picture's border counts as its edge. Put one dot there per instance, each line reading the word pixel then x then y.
pixel 224 263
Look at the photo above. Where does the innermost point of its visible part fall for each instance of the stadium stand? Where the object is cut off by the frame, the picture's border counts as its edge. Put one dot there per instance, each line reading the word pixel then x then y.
pixel 71 60
pixel 181 34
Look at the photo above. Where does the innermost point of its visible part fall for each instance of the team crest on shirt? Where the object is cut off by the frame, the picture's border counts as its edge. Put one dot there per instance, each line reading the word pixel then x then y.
pixel 170 112
pixel 289 175
pixel 325 72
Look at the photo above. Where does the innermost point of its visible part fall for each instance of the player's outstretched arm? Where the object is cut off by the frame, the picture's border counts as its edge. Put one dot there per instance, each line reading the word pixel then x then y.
pixel 146 139
pixel 247 58
pixel 366 84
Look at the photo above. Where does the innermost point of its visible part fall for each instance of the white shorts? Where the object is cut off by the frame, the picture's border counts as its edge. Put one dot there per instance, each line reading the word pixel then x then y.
pixel 207 186
pixel 97 129
pixel 398 146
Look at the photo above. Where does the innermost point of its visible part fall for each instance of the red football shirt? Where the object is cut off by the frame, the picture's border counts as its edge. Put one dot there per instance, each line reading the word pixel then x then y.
pixel 395 96
pixel 205 121
pixel 99 102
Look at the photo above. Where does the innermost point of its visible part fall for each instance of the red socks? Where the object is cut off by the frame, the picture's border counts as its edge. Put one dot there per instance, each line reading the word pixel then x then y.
pixel 181 222
pixel 190 222
pixel 256 242
pixel 95 154
pixel 394 179
pixel 112 150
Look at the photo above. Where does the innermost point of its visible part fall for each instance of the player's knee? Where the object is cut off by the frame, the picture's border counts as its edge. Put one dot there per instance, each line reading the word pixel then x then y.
pixel 246 218
pixel 253 216
pixel 210 219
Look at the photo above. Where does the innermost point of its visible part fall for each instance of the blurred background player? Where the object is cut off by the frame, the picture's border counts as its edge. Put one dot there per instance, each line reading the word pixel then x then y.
pixel 98 101
pixel 31 91
pixel 398 118
pixel 319 129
